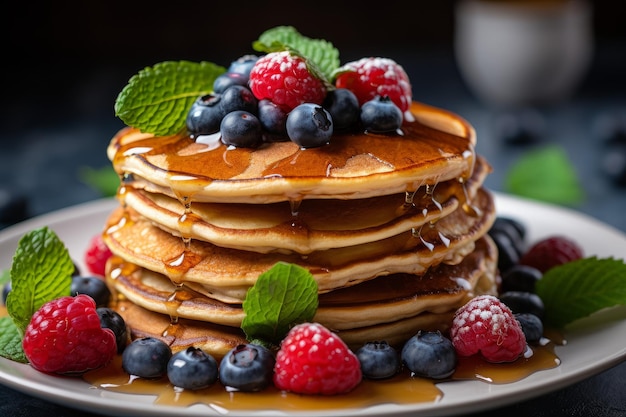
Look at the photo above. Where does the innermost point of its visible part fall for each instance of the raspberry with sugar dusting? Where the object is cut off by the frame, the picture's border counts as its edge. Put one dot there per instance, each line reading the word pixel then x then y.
pixel 65 336
pixel 314 360
pixel 371 77
pixel 487 326
pixel 285 80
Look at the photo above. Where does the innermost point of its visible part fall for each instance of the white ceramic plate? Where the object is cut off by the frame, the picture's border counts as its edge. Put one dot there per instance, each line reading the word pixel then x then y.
pixel 594 344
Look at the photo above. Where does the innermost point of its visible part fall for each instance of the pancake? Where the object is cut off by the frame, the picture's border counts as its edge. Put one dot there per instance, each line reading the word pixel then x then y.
pixel 228 273
pixel 383 299
pixel 435 145
pixel 311 226
pixel 391 308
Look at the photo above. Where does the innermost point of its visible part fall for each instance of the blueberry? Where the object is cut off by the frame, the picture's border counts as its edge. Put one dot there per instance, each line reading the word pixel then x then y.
pixel 515 229
pixel 243 65
pixel 111 319
pixel 238 97
pixel 378 360
pixel 309 125
pixel 205 115
pixel 192 369
pixel 523 302
pixel 531 326
pixel 520 278
pixel 343 106
pixel 241 129
pixel 508 253
pixel 146 358
pixel 429 354
pixel 95 287
pixel 273 119
pixel 381 115
pixel 228 79
pixel 247 368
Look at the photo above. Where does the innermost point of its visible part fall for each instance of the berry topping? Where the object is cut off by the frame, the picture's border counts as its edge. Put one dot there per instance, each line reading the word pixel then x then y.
pixel 286 80
pixel 247 368
pixel 378 360
pixel 146 358
pixel 314 360
pixel 380 115
pixel 550 252
pixel 487 326
pixel 520 278
pixel 243 65
pixel 192 369
pixel 97 255
pixel 64 336
pixel 523 302
pixel 430 355
pixel 532 326
pixel 343 106
pixel 205 115
pixel 241 129
pixel 371 77
pixel 309 125
pixel 111 319
pixel 95 287
pixel 272 118
pixel 228 79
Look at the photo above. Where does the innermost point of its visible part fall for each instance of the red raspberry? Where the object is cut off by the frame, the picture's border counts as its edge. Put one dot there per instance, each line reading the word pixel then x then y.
pixel 97 255
pixel 371 77
pixel 64 336
pixel 551 251
pixel 314 360
pixel 486 325
pixel 285 80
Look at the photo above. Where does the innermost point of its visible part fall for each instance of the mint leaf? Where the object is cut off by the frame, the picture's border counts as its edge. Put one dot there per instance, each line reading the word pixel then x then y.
pixel 545 174
pixel 284 295
pixel 104 180
pixel 11 341
pixel 157 99
pixel 577 289
pixel 41 271
pixel 319 53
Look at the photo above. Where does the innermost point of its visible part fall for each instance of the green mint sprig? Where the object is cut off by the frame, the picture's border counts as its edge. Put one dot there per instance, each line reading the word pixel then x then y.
pixel 157 99
pixel 284 295
pixel 580 288
pixel 320 54
pixel 545 174
pixel 41 271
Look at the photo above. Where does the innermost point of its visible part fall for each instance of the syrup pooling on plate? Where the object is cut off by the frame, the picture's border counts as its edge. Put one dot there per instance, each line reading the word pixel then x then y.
pixel 402 389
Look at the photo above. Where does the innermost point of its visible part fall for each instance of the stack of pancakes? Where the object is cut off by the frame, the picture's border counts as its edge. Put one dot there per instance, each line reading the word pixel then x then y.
pixel 393 229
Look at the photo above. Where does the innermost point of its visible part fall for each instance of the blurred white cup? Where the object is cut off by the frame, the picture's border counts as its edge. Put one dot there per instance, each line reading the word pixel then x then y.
pixel 520 53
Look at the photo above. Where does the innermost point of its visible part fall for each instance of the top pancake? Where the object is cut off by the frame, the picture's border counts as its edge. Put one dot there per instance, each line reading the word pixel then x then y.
pixel 437 145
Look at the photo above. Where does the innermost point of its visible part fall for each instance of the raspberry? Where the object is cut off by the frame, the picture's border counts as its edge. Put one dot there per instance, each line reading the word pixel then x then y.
pixel 64 336
pixel 551 251
pixel 486 325
pixel 97 255
pixel 314 360
pixel 371 77
pixel 285 80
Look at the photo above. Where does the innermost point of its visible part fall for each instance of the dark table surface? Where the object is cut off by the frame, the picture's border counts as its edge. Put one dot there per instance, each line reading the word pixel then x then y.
pixel 43 163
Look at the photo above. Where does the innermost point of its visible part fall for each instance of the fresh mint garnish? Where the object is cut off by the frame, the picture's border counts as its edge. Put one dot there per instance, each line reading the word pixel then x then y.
pixel 157 99
pixel 579 288
pixel 104 180
pixel 11 341
pixel 321 55
pixel 545 174
pixel 284 295
pixel 41 271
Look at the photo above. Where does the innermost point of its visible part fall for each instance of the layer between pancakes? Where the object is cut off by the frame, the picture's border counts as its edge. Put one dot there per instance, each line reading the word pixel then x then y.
pixel 226 274
pixel 311 225
pixel 391 308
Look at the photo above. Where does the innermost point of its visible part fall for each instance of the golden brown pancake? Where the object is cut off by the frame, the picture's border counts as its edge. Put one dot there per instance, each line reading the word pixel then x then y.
pixel 311 226
pixel 434 147
pixel 228 273
pixel 391 308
